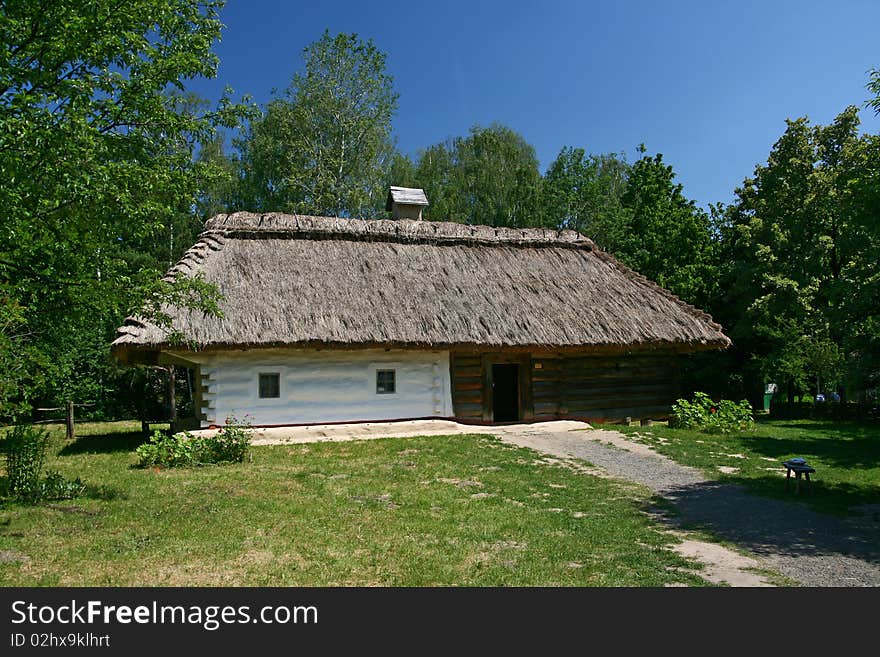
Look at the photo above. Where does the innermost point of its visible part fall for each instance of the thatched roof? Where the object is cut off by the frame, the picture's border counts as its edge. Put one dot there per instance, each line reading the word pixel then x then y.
pixel 318 281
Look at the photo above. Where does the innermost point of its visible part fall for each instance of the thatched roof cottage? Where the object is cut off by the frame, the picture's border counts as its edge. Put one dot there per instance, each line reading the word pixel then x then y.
pixel 334 320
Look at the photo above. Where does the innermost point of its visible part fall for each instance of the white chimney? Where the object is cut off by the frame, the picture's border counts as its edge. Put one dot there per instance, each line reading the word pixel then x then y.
pixel 406 203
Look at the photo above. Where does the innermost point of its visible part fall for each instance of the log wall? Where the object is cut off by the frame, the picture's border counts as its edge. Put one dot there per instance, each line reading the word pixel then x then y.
pixel 565 386
pixel 466 372
pixel 602 387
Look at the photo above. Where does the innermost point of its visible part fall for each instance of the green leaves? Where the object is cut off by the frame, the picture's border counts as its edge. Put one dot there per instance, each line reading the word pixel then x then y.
pixel 669 238
pixel 97 146
pixel 704 414
pixel 178 291
pixel 229 445
pixel 585 193
pixel 638 213
pixel 800 247
pixel 325 146
pixel 489 177
pixel 874 87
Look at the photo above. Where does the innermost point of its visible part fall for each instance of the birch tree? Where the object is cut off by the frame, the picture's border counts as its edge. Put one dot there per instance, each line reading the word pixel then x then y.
pixel 325 145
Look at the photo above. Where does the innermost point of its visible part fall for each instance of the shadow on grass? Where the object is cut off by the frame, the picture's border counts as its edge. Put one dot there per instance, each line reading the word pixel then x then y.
pixel 89 492
pixel 103 493
pixel 851 452
pixel 835 497
pixel 777 525
pixel 838 429
pixel 104 443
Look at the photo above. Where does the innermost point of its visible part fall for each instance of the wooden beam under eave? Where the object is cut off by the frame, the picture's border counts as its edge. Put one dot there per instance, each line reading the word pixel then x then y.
pixel 129 356
pixel 176 358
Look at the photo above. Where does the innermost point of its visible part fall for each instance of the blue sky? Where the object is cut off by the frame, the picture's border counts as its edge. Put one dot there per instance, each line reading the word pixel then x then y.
pixel 708 84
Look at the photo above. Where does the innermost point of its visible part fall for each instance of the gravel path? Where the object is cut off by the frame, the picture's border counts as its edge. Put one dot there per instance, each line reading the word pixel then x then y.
pixel 811 548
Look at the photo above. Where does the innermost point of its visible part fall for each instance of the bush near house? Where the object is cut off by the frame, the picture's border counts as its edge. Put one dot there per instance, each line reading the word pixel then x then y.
pixel 229 445
pixel 703 414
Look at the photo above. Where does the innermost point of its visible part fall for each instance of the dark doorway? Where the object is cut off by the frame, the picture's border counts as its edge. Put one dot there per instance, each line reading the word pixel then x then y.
pixel 505 392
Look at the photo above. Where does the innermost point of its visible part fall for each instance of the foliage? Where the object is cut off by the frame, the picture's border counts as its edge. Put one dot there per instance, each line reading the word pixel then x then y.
pixel 639 214
pixel 585 193
pixel 182 292
pixel 21 365
pixel 702 414
pixel 798 259
pixel 25 448
pixel 874 88
pixel 168 450
pixel 229 445
pixel 55 486
pixel 669 238
pixel 490 177
pixel 324 147
pixel 99 176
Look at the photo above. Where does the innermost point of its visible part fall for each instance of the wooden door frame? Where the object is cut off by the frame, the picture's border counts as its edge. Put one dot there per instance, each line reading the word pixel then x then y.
pixel 524 383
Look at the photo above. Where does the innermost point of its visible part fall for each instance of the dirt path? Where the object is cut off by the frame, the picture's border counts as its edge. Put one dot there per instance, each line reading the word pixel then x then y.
pixel 810 548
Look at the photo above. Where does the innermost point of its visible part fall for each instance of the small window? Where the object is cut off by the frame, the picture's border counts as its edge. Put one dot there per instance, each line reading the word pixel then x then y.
pixel 270 386
pixel 385 382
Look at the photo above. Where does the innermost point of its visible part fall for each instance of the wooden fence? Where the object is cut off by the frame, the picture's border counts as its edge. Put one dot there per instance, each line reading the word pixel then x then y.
pixel 68 419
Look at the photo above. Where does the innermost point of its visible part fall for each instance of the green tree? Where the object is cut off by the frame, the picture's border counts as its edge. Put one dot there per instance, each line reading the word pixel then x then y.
pixel 638 213
pixel 668 238
pixel 855 295
pixel 874 88
pixel 802 248
pixel 96 158
pixel 490 177
pixel 585 193
pixel 325 146
pixel 401 172
pixel 222 191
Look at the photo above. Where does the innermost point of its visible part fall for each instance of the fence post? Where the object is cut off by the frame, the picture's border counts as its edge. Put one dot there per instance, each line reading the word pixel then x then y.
pixel 70 431
pixel 172 398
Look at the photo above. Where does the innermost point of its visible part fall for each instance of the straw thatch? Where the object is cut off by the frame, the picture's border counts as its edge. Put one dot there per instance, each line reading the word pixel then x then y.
pixel 318 281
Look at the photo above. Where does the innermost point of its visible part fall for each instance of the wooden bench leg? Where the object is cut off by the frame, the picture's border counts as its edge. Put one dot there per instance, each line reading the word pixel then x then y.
pixel 797 483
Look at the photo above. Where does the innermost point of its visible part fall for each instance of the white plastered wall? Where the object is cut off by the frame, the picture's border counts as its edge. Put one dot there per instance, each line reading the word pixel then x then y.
pixel 318 386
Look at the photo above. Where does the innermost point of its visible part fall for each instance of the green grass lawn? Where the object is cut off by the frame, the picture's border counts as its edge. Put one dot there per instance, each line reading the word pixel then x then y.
pixel 846 456
pixel 453 510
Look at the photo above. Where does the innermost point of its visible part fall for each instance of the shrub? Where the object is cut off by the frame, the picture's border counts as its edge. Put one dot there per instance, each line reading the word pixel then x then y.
pixel 55 486
pixel 25 449
pixel 228 445
pixel 171 451
pixel 702 414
